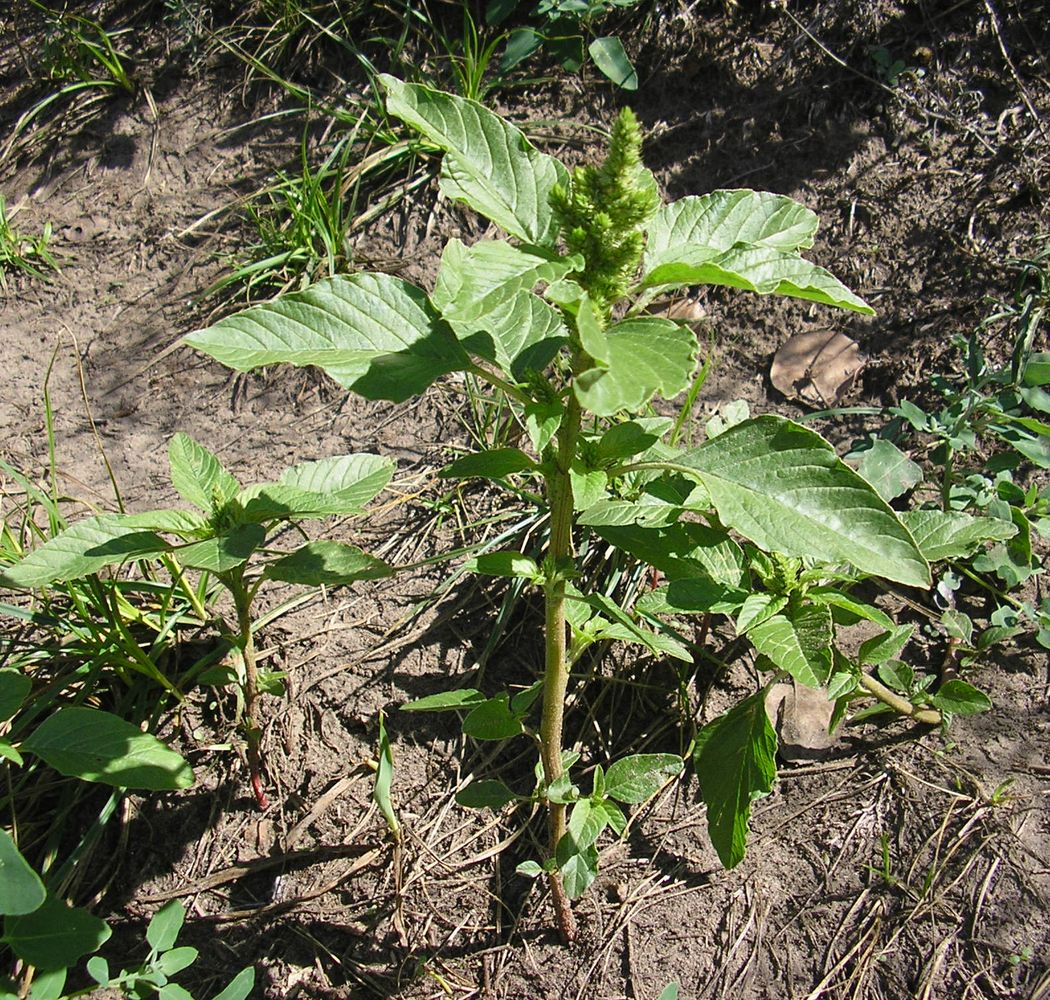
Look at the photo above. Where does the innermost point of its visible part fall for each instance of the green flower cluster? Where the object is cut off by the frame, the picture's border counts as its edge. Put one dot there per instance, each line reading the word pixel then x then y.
pixel 603 214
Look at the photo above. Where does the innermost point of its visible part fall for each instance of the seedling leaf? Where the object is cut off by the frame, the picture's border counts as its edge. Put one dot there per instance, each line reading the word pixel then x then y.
pixel 21 890
pixel 578 868
pixel 960 698
pixel 610 57
pixel 735 763
pixel 54 936
pixel 446 701
pixel 164 926
pixel 240 986
pixel 639 777
pixel 384 780
pixel 96 746
pixel 492 720
pixel 486 794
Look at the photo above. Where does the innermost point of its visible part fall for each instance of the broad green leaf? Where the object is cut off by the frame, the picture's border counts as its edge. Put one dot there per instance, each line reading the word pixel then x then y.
pixel 799 644
pixel 84 548
pixel 578 868
pixel 530 869
pixel 647 356
pixel 372 333
pixel 943 534
pixel 847 610
pixel 764 270
pixel 897 675
pixel 591 332
pixel 542 421
pixel 735 761
pixel 240 986
pixel 492 720
pixel 959 698
pixel 97 746
pixel 14 688
pixel 757 608
pixel 783 487
pixel 384 781
pixel 669 992
pixel 589 486
pixel 586 822
pixel 485 294
pixel 165 924
pixel 488 165
pixel 625 440
pixel 885 646
pixel 691 597
pixel 505 564
pixel 173 991
pixel 98 969
pixel 493 464
pixel 48 984
pixel 716 222
pixel 609 56
pixel 21 890
pixel 354 480
pixel 486 794
pixel 198 476
pixel 639 777
pixel 223 552
pixel 324 562
pixel 648 512
pixel 888 469
pixel 681 551
pixel 624 628
pixel 54 936
pixel 8 752
pixel 446 701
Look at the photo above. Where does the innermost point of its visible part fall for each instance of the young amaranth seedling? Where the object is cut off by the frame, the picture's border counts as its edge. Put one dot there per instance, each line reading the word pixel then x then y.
pixel 553 317
pixel 226 537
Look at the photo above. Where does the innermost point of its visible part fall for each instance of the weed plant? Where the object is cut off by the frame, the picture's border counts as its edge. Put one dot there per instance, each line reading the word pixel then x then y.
pixel 21 252
pixel 761 523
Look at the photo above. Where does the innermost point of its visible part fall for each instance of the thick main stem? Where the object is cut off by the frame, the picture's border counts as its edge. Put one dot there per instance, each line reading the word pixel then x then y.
pixel 246 641
pixel 556 672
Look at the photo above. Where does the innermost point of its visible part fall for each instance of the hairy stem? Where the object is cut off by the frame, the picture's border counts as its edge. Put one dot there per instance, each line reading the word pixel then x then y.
pixel 901 705
pixel 556 672
pixel 246 644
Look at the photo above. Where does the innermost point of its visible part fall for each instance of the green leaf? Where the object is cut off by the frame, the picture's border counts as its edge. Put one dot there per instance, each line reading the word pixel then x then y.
pixel 372 333
pixel 763 270
pixel 757 608
pixel 446 701
pixel 223 552
pixel 239 988
pixel 942 534
pixel 783 487
pixel 485 294
pixel 586 822
pixel 589 486
pixel 171 963
pixel 625 440
pixel 84 548
pixel 495 464
pixel 97 746
pixel 591 332
pixel 173 991
pixel 691 597
pixel 98 969
pixel 542 421
pixel 647 355
pixel 486 794
pixel 48 984
pixel 353 480
pixel 530 869
pixel 699 228
pixel 164 926
pixel 849 609
pixel 198 476
pixel 799 643
pixel 14 688
pixel 330 563
pixel 669 992
pixel 54 936
pixel 959 698
pixel 888 469
pixel 488 165
pixel 21 890
pixel 492 720
pixel 639 777
pixel 8 752
pixel 578 868
pixel 609 56
pixel 384 780
pixel 735 761
pixel 505 564
pixel 885 646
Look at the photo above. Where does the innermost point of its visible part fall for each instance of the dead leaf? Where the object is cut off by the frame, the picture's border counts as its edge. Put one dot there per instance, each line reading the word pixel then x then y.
pixel 801 716
pixel 818 367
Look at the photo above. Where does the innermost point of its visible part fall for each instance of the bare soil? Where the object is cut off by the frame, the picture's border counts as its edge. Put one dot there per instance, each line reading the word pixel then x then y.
pixel 896 863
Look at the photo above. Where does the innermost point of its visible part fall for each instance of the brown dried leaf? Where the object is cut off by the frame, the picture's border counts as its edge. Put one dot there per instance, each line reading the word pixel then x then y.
pixel 818 367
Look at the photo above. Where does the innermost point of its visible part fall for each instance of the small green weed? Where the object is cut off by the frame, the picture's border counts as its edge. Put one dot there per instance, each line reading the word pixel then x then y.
pixel 22 252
